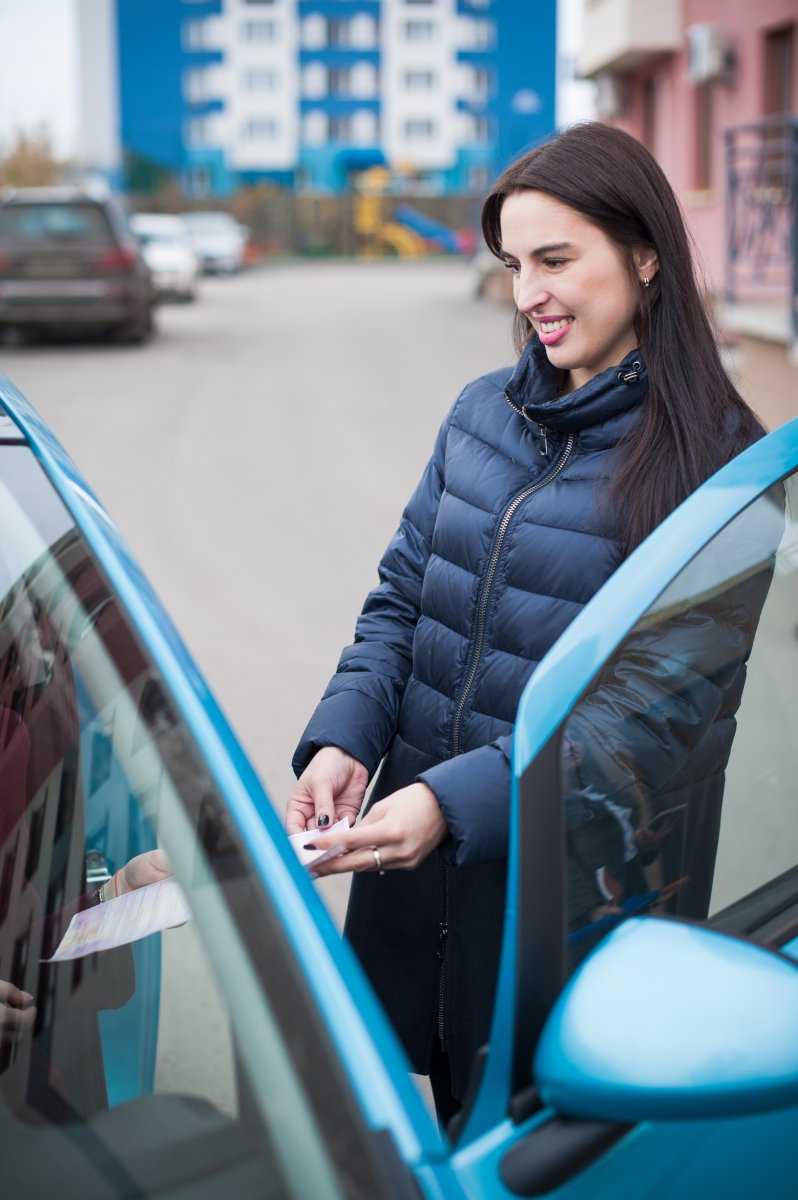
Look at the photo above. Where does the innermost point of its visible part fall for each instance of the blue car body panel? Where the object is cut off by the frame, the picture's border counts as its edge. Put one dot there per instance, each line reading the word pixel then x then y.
pixel 684 1159
pixel 597 1059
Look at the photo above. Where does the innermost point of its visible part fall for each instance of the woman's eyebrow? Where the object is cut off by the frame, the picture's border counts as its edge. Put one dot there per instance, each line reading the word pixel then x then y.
pixel 550 247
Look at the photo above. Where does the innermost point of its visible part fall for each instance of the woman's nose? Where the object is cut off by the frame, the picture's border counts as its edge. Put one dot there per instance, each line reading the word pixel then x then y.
pixel 530 295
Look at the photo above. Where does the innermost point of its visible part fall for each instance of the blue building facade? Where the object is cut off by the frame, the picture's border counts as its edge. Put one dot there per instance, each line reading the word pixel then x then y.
pixel 309 93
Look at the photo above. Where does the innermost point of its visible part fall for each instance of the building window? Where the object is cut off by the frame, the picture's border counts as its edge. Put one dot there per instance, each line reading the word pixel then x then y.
pixel 314 81
pixel 418 128
pixel 418 80
pixel 339 81
pixel 259 129
pixel 259 31
pixel 480 83
pixel 418 31
pixel 340 127
pixel 478 179
pixel 481 129
pixel 314 32
pixel 779 70
pixel 338 33
pixel 195 35
pixel 314 128
pixel 197 132
pixel 702 172
pixel 196 85
pixel 259 79
pixel 483 35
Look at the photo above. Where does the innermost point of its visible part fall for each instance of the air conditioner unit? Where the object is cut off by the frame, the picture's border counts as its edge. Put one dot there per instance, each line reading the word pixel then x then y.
pixel 707 53
pixel 610 96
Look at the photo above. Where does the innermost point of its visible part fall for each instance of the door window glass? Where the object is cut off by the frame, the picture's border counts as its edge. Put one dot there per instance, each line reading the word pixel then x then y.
pixel 679 765
pixel 160 1065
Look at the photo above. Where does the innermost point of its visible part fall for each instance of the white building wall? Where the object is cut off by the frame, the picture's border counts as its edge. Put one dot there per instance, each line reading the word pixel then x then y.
pixel 420 126
pixel 98 134
pixel 259 84
pixel 576 98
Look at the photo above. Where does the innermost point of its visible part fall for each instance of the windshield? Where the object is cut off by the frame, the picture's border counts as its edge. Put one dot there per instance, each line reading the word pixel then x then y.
pixel 55 222
pixel 160 1063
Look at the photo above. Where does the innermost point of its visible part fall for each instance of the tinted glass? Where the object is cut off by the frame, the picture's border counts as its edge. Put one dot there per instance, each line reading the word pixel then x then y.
pixel 160 1065
pixel 680 764
pixel 61 223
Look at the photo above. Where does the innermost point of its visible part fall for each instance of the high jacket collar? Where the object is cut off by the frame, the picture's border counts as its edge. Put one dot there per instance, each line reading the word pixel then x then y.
pixel 533 390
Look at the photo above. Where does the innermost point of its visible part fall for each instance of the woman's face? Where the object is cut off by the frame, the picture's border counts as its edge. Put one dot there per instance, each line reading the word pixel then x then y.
pixel 572 283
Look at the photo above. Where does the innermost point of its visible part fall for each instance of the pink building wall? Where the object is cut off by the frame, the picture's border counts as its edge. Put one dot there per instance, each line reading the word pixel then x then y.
pixel 744 23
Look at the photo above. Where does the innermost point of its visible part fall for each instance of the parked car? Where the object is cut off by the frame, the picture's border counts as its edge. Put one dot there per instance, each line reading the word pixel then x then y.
pixel 245 1053
pixel 218 240
pixel 169 254
pixel 69 262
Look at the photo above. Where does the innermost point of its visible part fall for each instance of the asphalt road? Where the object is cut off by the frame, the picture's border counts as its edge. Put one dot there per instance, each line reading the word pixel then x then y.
pixel 257 455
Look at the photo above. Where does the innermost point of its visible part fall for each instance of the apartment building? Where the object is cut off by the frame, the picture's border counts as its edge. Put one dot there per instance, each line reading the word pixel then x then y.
pixel 308 93
pixel 711 87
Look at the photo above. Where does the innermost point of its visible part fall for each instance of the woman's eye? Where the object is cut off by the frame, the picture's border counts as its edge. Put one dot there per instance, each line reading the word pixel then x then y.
pixel 555 262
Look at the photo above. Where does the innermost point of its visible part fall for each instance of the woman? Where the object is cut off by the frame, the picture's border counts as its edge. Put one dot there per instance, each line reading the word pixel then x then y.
pixel 542 480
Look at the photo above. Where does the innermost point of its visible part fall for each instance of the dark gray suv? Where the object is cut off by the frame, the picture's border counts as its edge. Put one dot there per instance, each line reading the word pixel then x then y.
pixel 68 261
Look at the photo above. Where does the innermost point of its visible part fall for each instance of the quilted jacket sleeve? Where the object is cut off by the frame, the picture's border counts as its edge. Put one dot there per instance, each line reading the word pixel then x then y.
pixel 359 709
pixel 633 733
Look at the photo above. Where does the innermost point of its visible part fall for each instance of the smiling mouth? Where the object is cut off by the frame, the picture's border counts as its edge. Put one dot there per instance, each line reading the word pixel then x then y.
pixel 551 326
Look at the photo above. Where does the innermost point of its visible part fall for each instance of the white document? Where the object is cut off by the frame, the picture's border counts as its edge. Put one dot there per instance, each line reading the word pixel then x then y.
pixel 124 919
pixel 314 857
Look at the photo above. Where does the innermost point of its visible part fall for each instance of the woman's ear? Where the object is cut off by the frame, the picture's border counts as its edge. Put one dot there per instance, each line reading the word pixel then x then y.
pixel 646 264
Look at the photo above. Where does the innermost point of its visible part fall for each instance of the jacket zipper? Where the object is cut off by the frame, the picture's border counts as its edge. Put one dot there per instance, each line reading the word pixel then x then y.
pixel 487 584
pixel 443 933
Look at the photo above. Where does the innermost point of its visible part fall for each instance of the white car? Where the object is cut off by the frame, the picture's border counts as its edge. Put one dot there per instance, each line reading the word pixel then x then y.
pixel 218 240
pixel 169 254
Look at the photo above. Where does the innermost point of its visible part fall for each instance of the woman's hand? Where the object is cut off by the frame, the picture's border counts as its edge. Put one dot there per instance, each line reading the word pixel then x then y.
pixel 151 867
pixel 17 1013
pixel 332 786
pixel 404 827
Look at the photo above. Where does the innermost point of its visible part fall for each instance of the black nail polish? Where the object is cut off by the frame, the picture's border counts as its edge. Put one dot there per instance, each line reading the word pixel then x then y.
pixel 323 820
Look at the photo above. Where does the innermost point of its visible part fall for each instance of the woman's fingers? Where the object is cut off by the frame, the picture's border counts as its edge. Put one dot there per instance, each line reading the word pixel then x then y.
pixel 14 995
pixel 16 1019
pixel 357 860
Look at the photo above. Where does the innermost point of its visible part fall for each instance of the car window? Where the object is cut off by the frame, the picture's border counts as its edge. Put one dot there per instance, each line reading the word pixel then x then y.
pixel 57 222
pixel 679 764
pixel 172 1062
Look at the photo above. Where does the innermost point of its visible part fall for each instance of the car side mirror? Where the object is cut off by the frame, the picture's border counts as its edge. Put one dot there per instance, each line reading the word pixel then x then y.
pixel 667 1021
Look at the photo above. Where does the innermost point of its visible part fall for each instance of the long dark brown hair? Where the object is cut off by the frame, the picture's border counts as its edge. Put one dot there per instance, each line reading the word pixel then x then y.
pixel 694 420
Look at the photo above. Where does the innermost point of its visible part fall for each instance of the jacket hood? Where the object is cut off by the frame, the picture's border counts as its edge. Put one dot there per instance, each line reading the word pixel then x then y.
pixel 533 389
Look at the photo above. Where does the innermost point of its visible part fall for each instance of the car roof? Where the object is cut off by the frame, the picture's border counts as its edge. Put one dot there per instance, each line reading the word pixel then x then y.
pixel 162 220
pixel 53 195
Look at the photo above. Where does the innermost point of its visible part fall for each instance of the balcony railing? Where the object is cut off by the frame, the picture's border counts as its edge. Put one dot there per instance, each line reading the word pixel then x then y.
pixel 762 214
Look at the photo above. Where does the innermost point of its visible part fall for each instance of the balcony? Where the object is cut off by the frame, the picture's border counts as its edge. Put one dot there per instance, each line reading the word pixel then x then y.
pixel 762 229
pixel 619 35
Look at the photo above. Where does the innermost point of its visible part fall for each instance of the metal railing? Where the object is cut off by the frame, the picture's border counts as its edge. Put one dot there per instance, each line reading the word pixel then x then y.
pixel 762 213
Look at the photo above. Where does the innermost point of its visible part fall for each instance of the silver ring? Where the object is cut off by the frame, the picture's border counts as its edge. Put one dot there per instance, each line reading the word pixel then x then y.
pixel 378 860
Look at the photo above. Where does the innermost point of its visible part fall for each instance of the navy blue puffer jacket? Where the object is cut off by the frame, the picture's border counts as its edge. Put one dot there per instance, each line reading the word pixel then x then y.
pixel 508 534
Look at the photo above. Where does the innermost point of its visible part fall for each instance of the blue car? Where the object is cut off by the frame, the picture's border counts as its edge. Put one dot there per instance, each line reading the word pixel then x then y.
pixel 646 1049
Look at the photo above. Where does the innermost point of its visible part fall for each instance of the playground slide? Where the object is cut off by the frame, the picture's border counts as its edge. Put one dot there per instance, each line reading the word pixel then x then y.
pixel 406 243
pixel 432 231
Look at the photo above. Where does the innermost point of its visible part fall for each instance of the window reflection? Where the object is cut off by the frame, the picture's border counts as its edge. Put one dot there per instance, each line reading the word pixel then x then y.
pixel 678 764
pixel 133 1051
